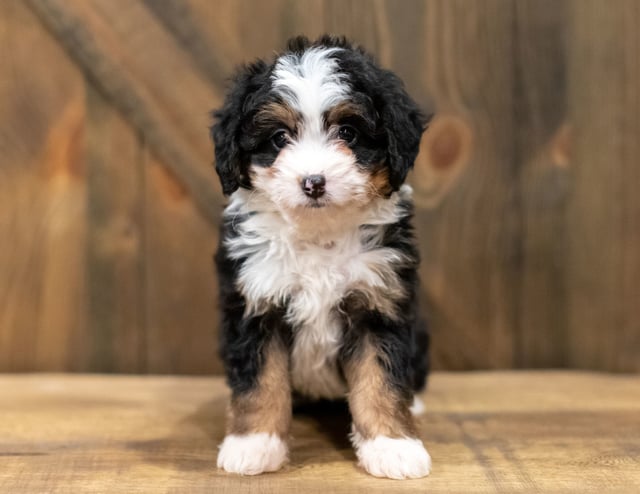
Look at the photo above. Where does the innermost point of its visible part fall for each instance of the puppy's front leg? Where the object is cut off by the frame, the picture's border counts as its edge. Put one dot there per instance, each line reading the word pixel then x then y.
pixel 383 432
pixel 259 418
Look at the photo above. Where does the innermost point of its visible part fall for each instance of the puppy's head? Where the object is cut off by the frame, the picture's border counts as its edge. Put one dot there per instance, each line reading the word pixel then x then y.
pixel 321 129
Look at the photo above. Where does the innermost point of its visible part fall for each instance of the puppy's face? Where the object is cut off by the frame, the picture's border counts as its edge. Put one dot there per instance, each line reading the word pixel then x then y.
pixel 319 144
pixel 321 129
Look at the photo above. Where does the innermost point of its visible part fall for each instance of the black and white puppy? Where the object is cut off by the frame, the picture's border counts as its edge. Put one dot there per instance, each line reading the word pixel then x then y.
pixel 317 261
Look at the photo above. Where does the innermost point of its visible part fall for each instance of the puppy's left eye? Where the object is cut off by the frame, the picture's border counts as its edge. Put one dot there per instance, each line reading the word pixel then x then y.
pixel 348 134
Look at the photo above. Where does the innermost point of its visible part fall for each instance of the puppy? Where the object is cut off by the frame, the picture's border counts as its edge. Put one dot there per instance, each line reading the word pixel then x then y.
pixel 317 261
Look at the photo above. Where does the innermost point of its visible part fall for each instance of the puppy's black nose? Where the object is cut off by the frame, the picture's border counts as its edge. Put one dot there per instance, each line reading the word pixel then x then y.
pixel 313 185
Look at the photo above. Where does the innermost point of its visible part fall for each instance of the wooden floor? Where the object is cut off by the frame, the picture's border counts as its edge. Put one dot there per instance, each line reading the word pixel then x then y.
pixel 486 432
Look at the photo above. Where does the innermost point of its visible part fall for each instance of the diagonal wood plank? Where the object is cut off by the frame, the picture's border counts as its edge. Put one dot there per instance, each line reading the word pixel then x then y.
pixel 148 78
pixel 205 39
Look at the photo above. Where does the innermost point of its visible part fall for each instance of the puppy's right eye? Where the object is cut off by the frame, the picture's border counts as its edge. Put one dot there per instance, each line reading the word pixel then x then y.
pixel 280 139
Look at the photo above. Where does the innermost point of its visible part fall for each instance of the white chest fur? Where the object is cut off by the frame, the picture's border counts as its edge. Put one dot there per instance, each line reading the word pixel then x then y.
pixel 310 278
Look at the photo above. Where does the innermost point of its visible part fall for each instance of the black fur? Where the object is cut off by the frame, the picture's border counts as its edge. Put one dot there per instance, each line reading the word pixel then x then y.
pixel 248 90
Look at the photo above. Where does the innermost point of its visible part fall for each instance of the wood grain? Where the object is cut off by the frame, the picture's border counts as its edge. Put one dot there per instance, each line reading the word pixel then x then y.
pixel 181 298
pixel 116 240
pixel 139 67
pixel 541 183
pixel 468 240
pixel 42 198
pixel 192 32
pixel 604 211
pixel 555 432
pixel 527 213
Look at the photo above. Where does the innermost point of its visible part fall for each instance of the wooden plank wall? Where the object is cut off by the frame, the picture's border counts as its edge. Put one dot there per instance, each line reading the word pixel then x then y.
pixel 527 211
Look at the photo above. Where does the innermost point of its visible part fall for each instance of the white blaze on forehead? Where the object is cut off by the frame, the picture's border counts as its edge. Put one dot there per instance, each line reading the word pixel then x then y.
pixel 311 82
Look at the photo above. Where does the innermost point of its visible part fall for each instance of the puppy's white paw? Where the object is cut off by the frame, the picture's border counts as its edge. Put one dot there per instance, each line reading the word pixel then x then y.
pixel 252 454
pixel 384 456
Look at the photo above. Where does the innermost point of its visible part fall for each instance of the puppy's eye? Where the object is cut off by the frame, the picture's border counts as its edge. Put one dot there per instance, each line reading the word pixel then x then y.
pixel 348 134
pixel 280 139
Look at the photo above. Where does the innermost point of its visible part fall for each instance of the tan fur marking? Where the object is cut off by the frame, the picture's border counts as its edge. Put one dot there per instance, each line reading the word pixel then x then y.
pixel 277 114
pixel 266 408
pixel 379 177
pixel 379 180
pixel 376 298
pixel 341 111
pixel 375 407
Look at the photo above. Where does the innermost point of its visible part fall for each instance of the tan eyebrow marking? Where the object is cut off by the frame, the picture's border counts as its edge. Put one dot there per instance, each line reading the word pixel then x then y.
pixel 343 110
pixel 275 114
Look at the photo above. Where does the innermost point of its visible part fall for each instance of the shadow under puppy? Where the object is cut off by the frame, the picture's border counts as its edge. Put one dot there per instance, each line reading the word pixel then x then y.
pixel 317 260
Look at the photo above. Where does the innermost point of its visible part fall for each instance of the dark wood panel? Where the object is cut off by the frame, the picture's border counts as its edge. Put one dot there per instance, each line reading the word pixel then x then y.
pixel 541 184
pixel 42 198
pixel 527 213
pixel 115 240
pixel 604 212
pixel 181 298
pixel 463 181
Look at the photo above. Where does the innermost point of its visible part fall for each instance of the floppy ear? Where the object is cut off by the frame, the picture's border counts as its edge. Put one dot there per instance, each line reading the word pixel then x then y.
pixel 404 123
pixel 225 131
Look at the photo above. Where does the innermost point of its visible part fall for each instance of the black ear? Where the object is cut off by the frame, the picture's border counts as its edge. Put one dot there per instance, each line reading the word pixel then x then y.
pixel 225 131
pixel 404 123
